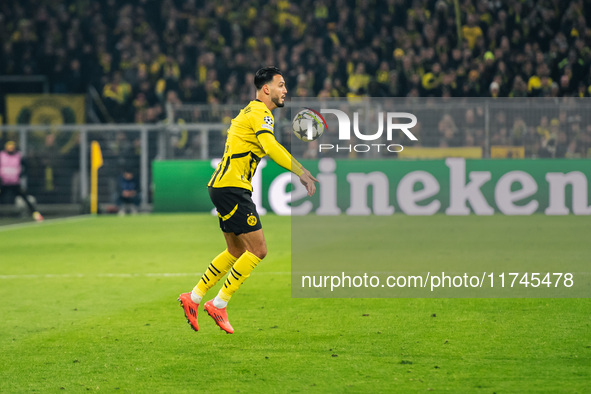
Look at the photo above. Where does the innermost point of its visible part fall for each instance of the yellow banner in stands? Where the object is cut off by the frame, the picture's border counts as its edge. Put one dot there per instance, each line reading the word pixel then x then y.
pixel 470 152
pixel 507 152
pixel 45 109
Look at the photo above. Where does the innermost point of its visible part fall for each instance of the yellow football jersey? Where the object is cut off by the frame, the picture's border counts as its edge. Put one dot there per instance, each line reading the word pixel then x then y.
pixel 243 150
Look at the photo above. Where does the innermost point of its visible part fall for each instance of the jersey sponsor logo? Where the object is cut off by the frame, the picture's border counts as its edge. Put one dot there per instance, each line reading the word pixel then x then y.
pixel 251 220
pixel 266 126
pixel 268 120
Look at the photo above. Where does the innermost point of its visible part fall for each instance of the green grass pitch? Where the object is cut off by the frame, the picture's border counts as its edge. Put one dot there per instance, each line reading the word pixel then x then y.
pixel 90 304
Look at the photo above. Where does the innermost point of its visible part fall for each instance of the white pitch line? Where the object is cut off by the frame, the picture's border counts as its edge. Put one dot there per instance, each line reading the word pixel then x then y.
pixel 46 222
pixel 117 275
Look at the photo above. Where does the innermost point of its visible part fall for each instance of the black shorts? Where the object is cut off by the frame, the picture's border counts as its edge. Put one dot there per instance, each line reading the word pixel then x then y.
pixel 236 210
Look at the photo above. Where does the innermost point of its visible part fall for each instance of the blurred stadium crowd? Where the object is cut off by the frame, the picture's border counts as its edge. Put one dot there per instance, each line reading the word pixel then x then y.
pixel 142 54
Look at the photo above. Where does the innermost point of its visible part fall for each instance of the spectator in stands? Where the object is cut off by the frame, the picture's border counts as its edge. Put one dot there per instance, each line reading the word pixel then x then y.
pixel 471 31
pixel 531 142
pixel 584 143
pixel 449 135
pixel 547 149
pixel 519 88
pixel 561 145
pixel 501 137
pixel 190 92
pixel 494 89
pixel 474 125
pixel 358 81
pixel 117 95
pixel 518 131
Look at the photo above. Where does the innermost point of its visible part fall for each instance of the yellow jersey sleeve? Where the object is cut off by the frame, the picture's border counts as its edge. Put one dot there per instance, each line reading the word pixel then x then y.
pixel 250 138
pixel 279 154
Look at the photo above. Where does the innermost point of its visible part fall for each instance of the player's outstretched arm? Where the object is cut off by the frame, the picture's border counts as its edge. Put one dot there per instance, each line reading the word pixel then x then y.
pixel 281 156
pixel 308 181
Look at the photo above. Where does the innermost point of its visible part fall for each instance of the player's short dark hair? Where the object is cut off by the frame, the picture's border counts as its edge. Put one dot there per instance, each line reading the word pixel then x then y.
pixel 265 75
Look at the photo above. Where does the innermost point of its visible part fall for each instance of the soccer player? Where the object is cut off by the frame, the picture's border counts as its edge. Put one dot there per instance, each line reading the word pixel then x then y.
pixel 11 171
pixel 250 138
pixel 129 194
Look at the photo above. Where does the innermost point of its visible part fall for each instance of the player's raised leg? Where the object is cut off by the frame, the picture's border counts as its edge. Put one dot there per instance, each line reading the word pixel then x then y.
pixel 256 250
pixel 214 272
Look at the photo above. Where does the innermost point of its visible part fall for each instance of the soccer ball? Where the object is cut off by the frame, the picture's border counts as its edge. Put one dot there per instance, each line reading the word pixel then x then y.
pixel 308 125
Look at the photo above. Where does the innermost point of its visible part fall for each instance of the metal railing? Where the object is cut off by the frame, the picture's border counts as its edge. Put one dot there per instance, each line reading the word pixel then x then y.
pixel 58 172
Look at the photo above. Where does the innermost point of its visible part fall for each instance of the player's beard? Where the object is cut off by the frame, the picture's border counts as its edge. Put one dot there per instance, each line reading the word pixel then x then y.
pixel 278 103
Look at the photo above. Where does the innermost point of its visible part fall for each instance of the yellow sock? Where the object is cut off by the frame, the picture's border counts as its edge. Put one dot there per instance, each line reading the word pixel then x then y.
pixel 216 270
pixel 238 274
